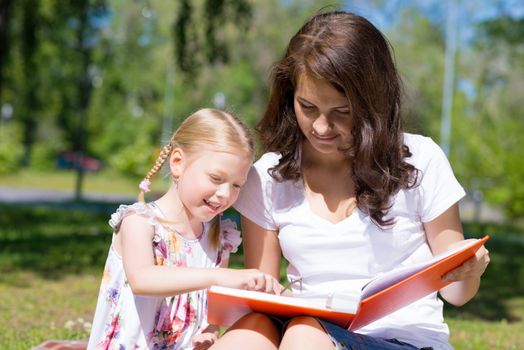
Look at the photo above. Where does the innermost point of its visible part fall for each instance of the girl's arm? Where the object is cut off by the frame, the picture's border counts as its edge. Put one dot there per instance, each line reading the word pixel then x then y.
pixel 146 278
pixel 206 338
pixel 261 248
pixel 444 233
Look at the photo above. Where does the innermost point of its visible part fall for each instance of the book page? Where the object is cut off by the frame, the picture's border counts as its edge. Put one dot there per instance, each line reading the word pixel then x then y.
pixel 381 282
pixel 304 301
pixel 343 301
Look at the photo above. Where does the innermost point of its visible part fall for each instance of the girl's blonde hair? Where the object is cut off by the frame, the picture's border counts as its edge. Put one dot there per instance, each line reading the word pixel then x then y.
pixel 207 128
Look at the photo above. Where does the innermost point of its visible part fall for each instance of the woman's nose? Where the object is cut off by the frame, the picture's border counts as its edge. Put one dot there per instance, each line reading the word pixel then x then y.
pixel 321 125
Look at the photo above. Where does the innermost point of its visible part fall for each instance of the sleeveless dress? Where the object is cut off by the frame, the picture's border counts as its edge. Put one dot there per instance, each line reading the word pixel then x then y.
pixel 126 321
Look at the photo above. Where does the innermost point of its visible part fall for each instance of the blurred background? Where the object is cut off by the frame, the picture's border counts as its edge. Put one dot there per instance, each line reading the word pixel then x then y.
pixel 90 90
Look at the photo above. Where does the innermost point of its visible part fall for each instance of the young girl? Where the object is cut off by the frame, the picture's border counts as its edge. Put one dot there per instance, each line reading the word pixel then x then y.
pixel 164 254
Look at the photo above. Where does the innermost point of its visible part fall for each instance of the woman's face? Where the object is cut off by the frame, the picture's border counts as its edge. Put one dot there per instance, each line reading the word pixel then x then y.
pixel 323 114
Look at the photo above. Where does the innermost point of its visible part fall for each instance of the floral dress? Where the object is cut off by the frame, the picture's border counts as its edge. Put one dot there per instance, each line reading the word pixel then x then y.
pixel 126 321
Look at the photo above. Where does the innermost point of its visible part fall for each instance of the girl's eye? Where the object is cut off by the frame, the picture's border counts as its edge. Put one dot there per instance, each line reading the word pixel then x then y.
pixel 236 186
pixel 214 178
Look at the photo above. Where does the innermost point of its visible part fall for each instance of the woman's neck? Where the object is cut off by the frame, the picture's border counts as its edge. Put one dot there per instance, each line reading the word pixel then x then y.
pixel 328 185
pixel 314 160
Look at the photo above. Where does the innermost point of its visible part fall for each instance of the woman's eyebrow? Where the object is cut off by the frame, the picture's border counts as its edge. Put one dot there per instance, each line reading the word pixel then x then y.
pixel 303 100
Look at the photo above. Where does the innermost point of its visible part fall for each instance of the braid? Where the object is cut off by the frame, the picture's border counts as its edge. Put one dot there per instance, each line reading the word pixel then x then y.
pixel 144 185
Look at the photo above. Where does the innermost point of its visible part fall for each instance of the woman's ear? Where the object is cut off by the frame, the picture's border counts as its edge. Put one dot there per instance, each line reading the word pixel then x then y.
pixel 177 162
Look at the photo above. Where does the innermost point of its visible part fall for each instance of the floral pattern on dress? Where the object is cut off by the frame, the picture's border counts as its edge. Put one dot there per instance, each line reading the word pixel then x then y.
pixel 163 323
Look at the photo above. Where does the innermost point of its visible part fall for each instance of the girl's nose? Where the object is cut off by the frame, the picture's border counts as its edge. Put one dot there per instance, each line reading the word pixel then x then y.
pixel 223 191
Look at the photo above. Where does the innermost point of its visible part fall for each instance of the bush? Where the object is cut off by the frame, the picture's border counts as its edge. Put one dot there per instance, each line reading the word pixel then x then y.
pixel 43 156
pixel 135 159
pixel 11 149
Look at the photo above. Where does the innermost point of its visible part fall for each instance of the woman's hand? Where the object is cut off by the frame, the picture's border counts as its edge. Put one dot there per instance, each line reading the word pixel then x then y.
pixel 250 279
pixel 472 268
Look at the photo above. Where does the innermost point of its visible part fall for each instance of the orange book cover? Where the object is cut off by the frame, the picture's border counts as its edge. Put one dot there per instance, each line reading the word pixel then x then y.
pixel 380 297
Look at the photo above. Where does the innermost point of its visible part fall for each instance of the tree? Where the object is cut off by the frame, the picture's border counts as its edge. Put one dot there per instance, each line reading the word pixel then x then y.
pixel 5 16
pixel 194 48
pixel 493 162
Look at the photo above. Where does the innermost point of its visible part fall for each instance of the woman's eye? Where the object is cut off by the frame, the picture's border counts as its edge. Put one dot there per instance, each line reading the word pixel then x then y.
pixel 307 107
pixel 342 113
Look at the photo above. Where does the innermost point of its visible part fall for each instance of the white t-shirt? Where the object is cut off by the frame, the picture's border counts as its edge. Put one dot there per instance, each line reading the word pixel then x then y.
pixel 345 255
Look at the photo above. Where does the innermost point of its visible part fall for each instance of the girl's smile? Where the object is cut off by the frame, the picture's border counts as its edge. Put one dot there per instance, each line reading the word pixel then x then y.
pixel 209 181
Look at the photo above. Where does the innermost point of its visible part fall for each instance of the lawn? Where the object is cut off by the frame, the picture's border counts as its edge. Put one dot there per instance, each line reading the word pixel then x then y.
pixel 65 180
pixel 51 260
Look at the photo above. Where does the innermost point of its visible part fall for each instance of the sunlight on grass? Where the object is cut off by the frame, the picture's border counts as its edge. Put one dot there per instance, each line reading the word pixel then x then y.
pixel 101 182
pixel 40 309
pixel 475 335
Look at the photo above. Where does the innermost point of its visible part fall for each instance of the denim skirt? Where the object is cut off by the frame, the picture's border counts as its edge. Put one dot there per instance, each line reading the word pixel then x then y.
pixel 347 340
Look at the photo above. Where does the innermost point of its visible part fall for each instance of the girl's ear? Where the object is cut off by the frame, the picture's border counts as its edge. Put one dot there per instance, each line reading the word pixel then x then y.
pixel 177 162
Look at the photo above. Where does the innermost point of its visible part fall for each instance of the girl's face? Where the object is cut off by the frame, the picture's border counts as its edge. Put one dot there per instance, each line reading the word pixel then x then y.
pixel 209 181
pixel 323 114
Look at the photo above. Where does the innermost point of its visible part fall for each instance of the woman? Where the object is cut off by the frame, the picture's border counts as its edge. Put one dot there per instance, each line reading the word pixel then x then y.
pixel 344 194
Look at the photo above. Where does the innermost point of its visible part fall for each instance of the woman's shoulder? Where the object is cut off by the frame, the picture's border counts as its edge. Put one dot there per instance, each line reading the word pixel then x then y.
pixel 260 171
pixel 422 148
pixel 417 141
pixel 267 160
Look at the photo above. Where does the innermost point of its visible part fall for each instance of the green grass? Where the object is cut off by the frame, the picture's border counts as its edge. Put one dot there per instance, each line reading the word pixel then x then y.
pixel 65 180
pixel 51 261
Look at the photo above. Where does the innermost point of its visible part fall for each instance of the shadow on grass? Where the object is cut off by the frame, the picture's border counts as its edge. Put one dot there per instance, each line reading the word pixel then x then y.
pixel 55 243
pixel 52 242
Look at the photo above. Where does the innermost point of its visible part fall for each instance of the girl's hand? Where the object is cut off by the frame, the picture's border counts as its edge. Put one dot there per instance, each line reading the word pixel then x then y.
pixel 472 268
pixel 250 279
pixel 204 340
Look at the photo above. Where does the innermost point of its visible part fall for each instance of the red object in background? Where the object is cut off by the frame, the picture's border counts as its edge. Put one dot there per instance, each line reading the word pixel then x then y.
pixel 74 160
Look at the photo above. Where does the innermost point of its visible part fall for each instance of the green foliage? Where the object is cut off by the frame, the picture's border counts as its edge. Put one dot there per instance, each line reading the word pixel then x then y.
pixel 98 75
pixel 43 156
pixel 417 67
pixel 203 39
pixel 491 152
pixel 135 159
pixel 504 28
pixel 11 150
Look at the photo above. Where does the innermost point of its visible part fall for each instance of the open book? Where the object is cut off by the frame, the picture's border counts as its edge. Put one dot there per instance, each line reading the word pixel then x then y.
pixel 379 297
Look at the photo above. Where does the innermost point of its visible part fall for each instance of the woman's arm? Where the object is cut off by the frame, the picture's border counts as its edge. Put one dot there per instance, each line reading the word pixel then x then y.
pixel 261 248
pixel 444 233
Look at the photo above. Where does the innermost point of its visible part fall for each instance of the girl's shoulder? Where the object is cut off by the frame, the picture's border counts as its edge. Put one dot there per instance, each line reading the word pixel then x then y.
pixel 138 210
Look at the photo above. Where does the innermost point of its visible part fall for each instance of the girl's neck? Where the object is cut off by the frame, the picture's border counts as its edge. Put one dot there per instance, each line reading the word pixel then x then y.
pixel 177 215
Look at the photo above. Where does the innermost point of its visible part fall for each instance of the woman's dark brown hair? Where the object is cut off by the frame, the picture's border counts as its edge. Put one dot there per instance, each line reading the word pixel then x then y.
pixel 349 52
